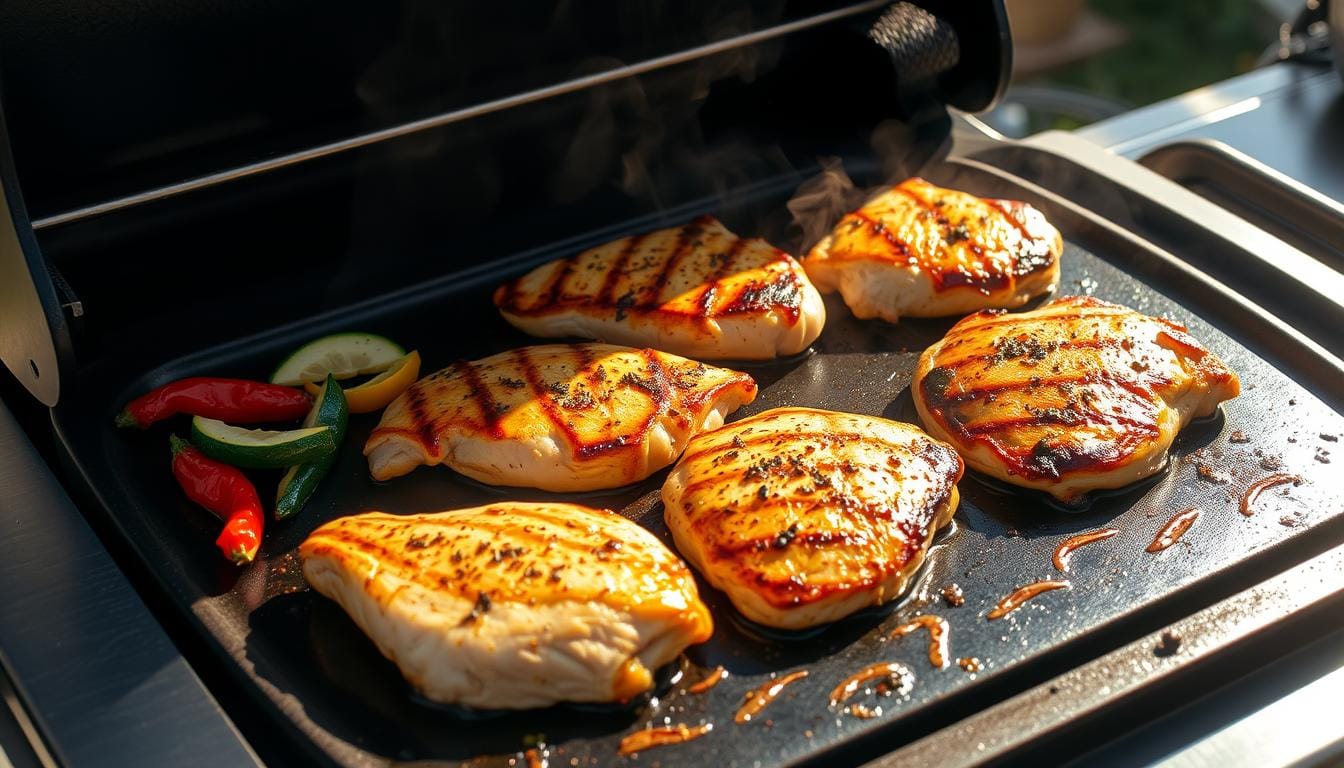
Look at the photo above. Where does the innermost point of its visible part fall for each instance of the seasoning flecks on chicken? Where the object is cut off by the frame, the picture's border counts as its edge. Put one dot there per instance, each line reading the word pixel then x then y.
pixel 696 290
pixel 512 605
pixel 561 417
pixel 804 516
pixel 924 251
pixel 1077 395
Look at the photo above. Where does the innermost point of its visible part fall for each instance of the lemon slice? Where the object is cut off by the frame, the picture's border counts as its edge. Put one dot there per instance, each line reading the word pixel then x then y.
pixel 382 389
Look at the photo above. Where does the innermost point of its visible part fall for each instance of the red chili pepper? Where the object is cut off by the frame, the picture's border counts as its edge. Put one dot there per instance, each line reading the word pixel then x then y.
pixel 236 401
pixel 225 491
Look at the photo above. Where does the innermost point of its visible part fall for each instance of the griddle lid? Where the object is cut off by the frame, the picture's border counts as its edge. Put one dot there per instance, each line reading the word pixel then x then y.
pixel 34 336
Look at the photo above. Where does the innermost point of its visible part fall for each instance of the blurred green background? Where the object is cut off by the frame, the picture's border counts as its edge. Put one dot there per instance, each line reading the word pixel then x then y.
pixel 1169 47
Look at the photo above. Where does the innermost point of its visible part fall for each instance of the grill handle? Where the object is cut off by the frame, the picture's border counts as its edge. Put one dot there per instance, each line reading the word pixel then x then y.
pixel 957 53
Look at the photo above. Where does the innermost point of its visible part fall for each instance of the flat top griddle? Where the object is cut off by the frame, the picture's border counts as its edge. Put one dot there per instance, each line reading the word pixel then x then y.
pixel 338 701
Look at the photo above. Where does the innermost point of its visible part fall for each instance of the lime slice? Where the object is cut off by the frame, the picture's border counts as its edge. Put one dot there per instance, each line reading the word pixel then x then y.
pixel 342 355
pixel 261 448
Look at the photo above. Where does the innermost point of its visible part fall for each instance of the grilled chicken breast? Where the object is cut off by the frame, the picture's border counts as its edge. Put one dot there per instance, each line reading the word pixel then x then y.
pixel 511 605
pixel 1078 395
pixel 696 290
pixel 804 516
pixel 562 417
pixel 925 251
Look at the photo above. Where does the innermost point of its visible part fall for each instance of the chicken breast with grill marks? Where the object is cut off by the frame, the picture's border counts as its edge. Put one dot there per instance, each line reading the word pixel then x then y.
pixel 696 290
pixel 561 417
pixel 804 516
pixel 924 251
pixel 512 605
pixel 1075 396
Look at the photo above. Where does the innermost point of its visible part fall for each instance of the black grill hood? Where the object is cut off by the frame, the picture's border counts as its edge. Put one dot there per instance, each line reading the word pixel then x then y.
pixel 332 153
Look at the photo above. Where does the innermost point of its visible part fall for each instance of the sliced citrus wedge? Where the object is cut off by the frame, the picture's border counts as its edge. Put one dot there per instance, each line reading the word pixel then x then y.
pixel 382 389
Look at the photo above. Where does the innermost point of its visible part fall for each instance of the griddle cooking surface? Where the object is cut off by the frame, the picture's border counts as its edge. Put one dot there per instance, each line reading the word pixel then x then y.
pixel 307 660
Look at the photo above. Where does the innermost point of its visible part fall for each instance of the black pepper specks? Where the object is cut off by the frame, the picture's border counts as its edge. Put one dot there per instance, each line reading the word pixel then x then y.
pixel 785 537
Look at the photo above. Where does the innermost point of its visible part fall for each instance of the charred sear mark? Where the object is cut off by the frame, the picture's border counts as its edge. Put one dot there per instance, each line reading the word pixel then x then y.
pixel 647 383
pixel 624 304
pixel 617 269
pixel 782 291
pixel 936 383
pixel 1051 458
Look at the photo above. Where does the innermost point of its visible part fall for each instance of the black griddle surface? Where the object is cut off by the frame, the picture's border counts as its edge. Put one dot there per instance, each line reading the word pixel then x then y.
pixel 332 693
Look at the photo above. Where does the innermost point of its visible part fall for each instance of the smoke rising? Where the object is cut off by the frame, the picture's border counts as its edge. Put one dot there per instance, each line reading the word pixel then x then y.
pixel 822 200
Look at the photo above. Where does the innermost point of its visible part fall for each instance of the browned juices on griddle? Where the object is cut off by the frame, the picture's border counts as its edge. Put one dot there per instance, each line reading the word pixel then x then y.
pixel 1174 529
pixel 764 696
pixel 901 678
pixel 1252 493
pixel 710 680
pixel 938 636
pixel 1021 595
pixel 657 737
pixel 1066 549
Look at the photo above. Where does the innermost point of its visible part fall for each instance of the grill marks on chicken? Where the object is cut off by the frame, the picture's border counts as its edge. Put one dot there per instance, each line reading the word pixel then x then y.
pixel 804 516
pixel 511 605
pixel 559 417
pixel 924 251
pixel 1078 395
pixel 696 290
